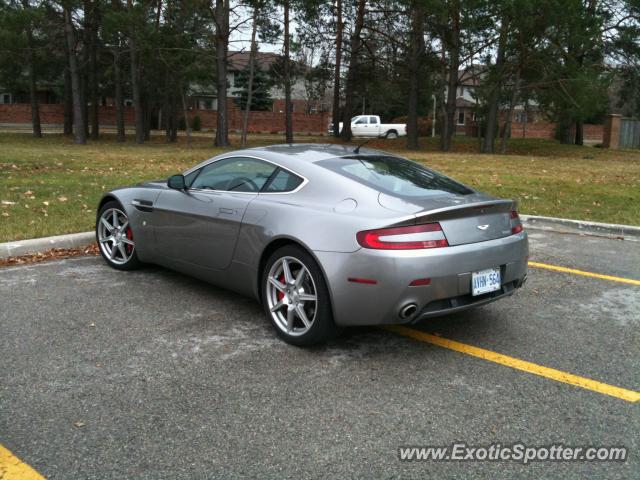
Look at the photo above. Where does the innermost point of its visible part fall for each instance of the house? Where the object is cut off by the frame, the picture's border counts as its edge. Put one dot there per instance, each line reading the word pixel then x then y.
pixel 528 121
pixel 204 97
pixel 309 114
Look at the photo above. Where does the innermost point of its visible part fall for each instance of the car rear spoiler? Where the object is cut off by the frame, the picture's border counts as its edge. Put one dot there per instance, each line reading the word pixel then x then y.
pixel 465 210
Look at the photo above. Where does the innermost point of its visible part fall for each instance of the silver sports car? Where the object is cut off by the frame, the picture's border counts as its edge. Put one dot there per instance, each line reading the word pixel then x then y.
pixel 324 236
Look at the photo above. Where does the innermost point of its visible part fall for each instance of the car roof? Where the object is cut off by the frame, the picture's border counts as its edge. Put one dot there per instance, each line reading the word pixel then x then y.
pixel 310 152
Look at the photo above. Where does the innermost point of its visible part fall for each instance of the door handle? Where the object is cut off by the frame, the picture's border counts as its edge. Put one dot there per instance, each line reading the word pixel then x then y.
pixel 229 211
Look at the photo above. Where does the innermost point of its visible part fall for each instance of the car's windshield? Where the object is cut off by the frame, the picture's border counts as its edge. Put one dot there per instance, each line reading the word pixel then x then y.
pixel 394 175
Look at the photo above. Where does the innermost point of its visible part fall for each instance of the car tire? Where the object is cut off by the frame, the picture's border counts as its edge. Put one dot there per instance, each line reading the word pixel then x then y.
pixel 392 134
pixel 115 237
pixel 283 295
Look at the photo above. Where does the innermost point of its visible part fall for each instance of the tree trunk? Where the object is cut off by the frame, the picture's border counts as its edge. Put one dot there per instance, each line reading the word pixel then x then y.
pixel 506 134
pixel 491 123
pixel 222 47
pixel 416 44
pixel 288 107
pixel 146 118
pixel 252 59
pixel 185 112
pixel 135 79
pixel 338 66
pixel 91 25
pixel 579 136
pixel 67 99
pixel 33 94
pixel 119 98
pixel 452 82
pixel 356 43
pixel 80 134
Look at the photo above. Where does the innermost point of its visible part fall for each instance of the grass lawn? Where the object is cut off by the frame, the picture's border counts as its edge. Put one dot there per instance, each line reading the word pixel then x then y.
pixel 49 186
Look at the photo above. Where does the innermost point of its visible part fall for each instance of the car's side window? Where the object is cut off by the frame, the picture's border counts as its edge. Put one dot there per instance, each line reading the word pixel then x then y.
pixel 373 120
pixel 283 181
pixel 238 174
pixel 361 121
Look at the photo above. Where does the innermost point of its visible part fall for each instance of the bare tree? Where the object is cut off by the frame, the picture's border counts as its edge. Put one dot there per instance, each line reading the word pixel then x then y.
pixel 80 133
pixel 416 51
pixel 33 94
pixel 338 66
pixel 452 41
pixel 252 61
pixel 497 76
pixel 288 107
pixel 221 17
pixel 356 43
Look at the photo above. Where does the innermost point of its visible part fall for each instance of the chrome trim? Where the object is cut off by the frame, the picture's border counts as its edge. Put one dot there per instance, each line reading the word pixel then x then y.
pixel 305 180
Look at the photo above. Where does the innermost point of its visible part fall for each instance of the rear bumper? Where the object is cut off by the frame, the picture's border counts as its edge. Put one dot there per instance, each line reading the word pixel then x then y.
pixel 449 270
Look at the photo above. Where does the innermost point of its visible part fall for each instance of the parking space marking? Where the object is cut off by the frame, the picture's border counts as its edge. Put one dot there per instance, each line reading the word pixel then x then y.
pixel 516 363
pixel 12 468
pixel 557 268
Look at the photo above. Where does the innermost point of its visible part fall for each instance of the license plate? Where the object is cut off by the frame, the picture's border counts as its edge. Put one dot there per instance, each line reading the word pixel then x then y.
pixel 485 281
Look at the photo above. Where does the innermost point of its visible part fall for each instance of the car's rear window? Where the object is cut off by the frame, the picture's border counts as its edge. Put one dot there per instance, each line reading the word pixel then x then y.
pixel 394 175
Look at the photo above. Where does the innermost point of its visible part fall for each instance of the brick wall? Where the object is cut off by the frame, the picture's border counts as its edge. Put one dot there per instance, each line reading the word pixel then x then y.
pixel 268 122
pixel 548 130
pixel 53 114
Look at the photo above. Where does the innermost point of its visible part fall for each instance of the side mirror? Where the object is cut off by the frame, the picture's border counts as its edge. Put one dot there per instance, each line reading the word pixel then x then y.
pixel 176 182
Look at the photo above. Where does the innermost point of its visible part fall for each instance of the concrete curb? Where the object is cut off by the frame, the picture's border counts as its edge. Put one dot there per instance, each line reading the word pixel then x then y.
pixel 565 225
pixel 24 247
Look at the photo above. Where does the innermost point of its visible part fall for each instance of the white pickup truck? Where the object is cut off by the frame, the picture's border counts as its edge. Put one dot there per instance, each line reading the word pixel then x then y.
pixel 370 126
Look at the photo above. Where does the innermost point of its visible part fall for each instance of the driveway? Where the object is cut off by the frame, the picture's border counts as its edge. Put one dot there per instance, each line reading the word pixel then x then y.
pixel 151 374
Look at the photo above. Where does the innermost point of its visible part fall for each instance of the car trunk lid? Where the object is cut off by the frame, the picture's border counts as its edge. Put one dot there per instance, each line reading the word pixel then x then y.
pixel 464 218
pixel 472 222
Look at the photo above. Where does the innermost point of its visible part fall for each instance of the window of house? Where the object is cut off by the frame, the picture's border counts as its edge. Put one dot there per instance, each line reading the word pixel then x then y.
pixel 461 92
pixel 520 117
pixel 128 103
pixel 461 117
pixel 5 98
pixel 238 174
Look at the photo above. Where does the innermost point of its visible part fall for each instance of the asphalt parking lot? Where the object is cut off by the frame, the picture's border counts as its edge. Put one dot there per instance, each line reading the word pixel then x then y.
pixel 151 374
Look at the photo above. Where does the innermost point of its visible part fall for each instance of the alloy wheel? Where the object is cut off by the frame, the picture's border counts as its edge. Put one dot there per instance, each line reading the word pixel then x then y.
pixel 291 296
pixel 115 236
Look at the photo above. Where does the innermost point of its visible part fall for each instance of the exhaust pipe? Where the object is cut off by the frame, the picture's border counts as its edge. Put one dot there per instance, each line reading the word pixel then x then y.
pixel 408 310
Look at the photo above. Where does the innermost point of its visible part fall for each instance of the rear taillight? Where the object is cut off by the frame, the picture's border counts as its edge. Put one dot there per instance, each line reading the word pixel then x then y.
pixel 516 225
pixel 413 237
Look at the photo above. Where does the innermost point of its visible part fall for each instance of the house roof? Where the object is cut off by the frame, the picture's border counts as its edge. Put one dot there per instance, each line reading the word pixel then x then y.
pixel 464 103
pixel 472 75
pixel 240 60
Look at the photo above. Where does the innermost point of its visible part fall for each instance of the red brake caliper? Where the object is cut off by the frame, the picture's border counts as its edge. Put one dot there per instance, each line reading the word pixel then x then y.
pixel 281 294
pixel 130 237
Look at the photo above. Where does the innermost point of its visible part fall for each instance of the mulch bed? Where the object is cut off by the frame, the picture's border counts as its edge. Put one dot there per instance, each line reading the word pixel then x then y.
pixel 53 254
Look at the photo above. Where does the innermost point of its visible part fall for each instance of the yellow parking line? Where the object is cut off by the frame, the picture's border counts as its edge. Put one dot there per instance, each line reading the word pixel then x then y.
pixel 556 268
pixel 553 374
pixel 12 468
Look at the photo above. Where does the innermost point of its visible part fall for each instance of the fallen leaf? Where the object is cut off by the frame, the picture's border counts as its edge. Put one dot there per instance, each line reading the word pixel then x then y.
pixel 62 199
pixel 79 424
pixel 45 203
pixel 7 202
